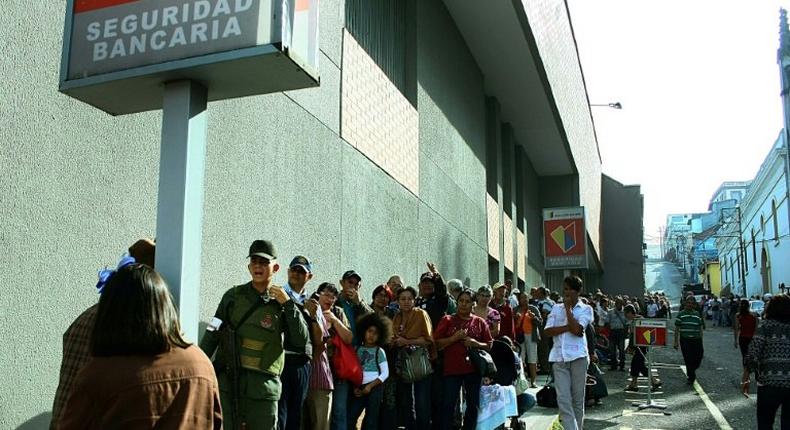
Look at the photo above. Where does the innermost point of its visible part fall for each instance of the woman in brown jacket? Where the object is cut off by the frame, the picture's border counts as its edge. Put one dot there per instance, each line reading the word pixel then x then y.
pixel 412 329
pixel 143 374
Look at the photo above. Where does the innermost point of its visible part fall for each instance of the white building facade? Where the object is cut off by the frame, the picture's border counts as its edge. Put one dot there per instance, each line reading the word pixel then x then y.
pixel 754 241
pixel 730 190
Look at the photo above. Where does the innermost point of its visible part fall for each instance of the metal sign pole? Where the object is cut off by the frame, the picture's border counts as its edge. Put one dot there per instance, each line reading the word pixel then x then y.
pixel 179 217
pixel 650 377
pixel 649 361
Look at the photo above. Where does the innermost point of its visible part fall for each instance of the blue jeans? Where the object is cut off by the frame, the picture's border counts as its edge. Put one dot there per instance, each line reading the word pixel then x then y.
pixel 295 379
pixel 526 401
pixel 414 404
pixel 339 405
pixel 371 404
pixel 452 390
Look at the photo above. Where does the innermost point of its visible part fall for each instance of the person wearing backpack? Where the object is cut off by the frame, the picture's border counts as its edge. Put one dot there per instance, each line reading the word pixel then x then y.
pixel 374 331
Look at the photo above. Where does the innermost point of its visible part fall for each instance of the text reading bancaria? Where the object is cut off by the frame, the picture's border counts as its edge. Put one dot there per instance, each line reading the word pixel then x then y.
pixel 193 23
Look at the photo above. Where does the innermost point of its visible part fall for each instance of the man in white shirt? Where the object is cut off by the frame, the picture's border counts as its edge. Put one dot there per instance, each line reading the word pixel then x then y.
pixel 603 312
pixel 652 308
pixel 566 324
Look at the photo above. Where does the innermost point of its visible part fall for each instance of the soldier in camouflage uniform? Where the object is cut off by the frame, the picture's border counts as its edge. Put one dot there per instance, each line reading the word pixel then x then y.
pixel 247 335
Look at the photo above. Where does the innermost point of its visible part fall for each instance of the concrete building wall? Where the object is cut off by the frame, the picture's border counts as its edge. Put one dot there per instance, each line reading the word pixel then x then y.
pixel 533 213
pixel 713 278
pixel 79 186
pixel 621 238
pixel 550 22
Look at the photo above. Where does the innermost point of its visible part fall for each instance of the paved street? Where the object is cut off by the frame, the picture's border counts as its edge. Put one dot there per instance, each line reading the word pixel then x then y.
pixel 664 276
pixel 718 381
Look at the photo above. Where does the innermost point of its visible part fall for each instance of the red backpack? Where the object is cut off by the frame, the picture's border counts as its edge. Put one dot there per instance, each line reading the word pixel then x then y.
pixel 345 362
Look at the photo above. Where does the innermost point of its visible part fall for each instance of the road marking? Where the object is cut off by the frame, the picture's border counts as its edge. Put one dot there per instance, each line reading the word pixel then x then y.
pixel 629 412
pixel 712 408
pixel 631 428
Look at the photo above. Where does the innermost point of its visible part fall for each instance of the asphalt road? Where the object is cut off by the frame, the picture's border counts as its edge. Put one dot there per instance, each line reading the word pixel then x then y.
pixel 718 380
pixel 663 276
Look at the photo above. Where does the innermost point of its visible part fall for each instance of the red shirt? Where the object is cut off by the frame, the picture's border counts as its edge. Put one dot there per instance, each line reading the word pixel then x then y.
pixel 506 323
pixel 455 356
pixel 748 325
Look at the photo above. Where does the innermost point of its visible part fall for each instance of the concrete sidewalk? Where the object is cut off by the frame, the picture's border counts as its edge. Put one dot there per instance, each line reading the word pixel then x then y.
pixel 539 418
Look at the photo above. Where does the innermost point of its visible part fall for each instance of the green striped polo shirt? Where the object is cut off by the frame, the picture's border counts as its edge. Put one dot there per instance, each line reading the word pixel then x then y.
pixel 689 324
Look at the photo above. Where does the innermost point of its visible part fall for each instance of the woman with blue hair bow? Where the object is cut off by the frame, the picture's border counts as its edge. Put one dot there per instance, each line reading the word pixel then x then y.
pixel 76 339
pixel 143 373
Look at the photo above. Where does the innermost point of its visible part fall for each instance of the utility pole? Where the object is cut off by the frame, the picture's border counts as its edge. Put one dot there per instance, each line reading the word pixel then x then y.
pixel 741 246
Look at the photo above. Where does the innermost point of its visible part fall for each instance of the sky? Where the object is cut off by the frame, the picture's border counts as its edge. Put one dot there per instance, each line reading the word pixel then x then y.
pixel 699 85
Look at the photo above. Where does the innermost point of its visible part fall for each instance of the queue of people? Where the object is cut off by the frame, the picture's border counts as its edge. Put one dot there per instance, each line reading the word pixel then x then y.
pixel 289 357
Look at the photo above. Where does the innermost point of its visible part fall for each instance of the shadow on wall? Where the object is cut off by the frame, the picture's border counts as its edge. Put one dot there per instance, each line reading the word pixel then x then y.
pixel 451 79
pixel 39 422
pixel 416 44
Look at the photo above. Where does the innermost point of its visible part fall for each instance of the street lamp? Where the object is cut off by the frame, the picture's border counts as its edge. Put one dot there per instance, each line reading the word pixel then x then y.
pixel 615 105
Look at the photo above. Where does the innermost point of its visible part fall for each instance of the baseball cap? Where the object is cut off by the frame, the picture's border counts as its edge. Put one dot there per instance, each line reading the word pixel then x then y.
pixel 498 286
pixel 264 249
pixel 303 262
pixel 351 274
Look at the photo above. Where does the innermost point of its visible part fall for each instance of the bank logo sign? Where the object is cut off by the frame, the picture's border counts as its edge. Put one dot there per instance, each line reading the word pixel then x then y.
pixel 110 35
pixel 565 238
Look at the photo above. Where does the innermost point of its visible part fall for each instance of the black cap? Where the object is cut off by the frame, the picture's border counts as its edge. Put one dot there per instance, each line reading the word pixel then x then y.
pixel 351 274
pixel 264 249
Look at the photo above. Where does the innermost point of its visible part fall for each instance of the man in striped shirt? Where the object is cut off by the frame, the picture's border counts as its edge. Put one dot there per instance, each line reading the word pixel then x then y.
pixel 688 332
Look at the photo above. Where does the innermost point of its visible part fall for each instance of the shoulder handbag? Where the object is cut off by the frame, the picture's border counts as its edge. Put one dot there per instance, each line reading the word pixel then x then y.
pixel 414 364
pixel 482 362
pixel 345 362
pixel 547 396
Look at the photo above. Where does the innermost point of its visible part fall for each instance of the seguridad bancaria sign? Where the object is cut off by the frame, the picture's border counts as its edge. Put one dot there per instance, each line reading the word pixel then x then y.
pixel 118 54
pixel 110 35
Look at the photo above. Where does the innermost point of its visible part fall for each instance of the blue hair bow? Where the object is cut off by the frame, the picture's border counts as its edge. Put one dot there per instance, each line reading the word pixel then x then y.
pixel 104 275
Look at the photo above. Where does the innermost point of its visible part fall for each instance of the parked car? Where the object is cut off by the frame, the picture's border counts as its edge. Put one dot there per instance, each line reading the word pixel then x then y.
pixel 757 307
